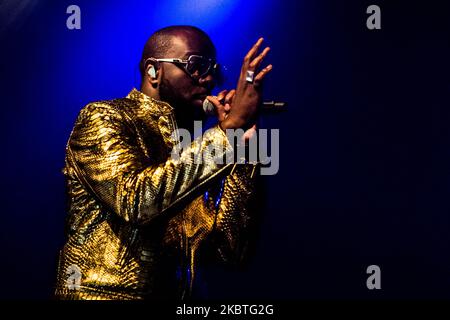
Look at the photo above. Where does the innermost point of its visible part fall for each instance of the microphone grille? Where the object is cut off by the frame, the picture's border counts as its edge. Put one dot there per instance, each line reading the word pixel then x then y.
pixel 208 107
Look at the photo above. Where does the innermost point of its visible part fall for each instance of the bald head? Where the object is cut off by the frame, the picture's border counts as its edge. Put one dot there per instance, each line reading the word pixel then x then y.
pixel 161 43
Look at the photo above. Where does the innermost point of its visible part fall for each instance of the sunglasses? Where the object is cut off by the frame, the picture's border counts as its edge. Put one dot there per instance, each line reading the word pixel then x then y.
pixel 196 66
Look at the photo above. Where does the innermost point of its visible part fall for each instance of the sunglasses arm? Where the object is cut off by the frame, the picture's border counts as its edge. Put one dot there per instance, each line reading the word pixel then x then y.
pixel 172 60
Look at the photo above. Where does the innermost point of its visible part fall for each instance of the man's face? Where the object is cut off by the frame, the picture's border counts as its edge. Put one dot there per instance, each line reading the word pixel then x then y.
pixel 177 87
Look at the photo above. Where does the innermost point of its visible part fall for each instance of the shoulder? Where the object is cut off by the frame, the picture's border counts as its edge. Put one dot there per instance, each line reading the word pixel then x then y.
pixel 106 110
pixel 102 119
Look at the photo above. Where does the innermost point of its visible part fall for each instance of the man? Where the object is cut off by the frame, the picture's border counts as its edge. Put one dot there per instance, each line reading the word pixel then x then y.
pixel 137 216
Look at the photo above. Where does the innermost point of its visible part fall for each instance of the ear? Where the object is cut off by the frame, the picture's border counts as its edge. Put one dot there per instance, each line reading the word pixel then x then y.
pixel 153 72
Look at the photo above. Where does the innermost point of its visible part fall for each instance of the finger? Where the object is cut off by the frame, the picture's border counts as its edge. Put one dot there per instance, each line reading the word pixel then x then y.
pixel 229 96
pixel 255 63
pixel 222 94
pixel 219 107
pixel 214 101
pixel 228 100
pixel 221 113
pixel 249 56
pixel 260 76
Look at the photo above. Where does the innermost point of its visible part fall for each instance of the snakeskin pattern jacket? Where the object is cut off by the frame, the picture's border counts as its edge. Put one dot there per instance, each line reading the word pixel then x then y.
pixel 137 217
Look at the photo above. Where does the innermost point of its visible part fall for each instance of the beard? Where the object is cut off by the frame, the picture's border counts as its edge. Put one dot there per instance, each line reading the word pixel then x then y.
pixel 185 112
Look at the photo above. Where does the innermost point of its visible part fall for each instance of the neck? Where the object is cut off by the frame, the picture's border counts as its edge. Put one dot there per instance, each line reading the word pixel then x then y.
pixel 150 92
pixel 185 121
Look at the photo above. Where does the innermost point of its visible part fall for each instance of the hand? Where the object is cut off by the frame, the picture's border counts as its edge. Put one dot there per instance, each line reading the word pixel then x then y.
pixel 248 95
pixel 222 110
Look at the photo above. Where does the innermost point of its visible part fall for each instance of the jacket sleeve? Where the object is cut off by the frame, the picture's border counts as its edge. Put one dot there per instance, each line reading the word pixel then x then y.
pixel 235 217
pixel 104 149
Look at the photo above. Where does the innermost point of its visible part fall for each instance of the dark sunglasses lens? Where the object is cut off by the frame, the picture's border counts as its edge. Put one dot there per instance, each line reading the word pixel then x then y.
pixel 198 66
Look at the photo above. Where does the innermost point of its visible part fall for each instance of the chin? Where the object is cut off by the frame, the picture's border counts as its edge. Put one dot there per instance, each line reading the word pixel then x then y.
pixel 197 104
pixel 197 110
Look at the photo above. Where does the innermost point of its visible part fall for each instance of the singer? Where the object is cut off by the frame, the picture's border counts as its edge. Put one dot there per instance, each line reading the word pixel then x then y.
pixel 138 220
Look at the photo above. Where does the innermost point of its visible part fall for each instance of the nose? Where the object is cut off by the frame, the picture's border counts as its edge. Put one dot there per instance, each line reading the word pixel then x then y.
pixel 207 81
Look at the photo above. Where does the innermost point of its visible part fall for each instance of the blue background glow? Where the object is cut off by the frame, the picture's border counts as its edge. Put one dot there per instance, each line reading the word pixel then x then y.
pixel 364 173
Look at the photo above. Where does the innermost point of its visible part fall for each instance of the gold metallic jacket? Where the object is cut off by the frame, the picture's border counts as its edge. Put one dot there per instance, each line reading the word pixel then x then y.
pixel 137 216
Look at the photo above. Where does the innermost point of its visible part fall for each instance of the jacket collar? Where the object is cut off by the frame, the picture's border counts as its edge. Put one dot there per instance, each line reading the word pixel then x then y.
pixel 156 107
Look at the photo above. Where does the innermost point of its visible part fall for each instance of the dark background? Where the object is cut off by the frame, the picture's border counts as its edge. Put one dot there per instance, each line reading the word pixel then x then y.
pixel 364 172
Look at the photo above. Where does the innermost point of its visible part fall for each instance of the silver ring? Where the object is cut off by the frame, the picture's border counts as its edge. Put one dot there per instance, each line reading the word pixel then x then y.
pixel 249 76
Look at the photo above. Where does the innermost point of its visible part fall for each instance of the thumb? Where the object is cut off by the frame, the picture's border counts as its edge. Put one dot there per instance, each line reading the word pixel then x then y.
pixel 249 134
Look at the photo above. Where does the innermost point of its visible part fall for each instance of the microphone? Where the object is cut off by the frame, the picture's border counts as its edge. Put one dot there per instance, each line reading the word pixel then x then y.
pixel 267 107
